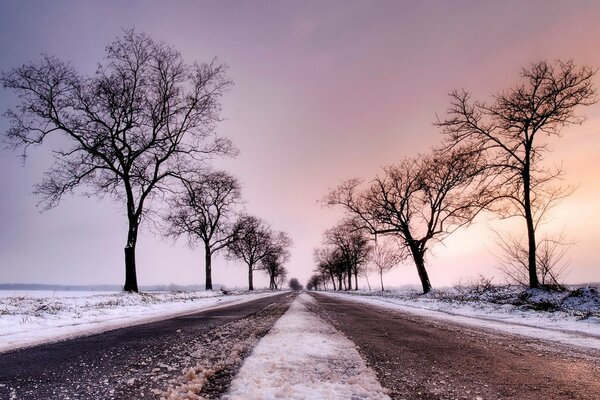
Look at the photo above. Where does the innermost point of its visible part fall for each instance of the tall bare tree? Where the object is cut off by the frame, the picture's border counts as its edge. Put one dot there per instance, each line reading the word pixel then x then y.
pixel 131 128
pixel 421 200
pixel 203 211
pixel 510 132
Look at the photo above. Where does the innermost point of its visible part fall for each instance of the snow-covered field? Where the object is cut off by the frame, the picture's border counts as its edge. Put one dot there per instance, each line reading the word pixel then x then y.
pixel 28 318
pixel 571 318
pixel 304 357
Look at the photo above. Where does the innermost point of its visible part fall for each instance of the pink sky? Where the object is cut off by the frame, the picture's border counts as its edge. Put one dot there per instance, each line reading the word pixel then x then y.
pixel 324 91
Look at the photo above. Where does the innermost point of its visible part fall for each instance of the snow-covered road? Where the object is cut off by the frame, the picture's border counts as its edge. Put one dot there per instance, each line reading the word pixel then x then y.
pixel 32 318
pixel 304 357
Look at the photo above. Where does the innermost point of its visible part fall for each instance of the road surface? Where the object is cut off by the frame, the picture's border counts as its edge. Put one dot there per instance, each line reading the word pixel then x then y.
pixel 140 361
pixel 419 358
pixel 413 357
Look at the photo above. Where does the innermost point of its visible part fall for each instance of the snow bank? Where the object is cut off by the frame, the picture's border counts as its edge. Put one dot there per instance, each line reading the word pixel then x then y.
pixel 564 327
pixel 26 319
pixel 304 357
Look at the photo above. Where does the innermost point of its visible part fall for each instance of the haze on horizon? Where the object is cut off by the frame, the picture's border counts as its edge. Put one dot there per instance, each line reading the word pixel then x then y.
pixel 324 91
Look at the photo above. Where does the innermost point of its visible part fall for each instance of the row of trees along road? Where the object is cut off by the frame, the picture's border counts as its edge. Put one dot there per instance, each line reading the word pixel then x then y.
pixel 491 158
pixel 142 130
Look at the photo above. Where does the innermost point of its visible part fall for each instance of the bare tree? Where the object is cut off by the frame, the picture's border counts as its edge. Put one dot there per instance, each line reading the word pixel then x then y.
pixel 510 131
pixel 352 243
pixel 331 264
pixel 132 128
pixel 386 255
pixel 552 261
pixel 419 201
pixel 254 241
pixel 203 212
pixel 278 255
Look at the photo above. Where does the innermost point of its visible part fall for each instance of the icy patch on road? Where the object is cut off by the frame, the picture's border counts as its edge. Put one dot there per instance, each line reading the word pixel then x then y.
pixel 304 357
pixel 557 327
pixel 28 320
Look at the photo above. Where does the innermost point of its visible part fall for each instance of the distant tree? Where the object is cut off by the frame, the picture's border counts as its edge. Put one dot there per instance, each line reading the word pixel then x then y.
pixel 203 211
pixel 278 255
pixel 419 201
pixel 509 133
pixel 386 255
pixel 295 284
pixel 251 243
pixel 144 119
pixel 330 265
pixel 352 243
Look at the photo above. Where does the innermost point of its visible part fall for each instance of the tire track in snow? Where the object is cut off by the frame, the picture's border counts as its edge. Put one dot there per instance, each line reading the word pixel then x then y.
pixel 304 357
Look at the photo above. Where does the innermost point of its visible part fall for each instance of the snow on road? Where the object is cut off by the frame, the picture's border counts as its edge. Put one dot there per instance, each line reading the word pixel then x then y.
pixel 28 319
pixel 556 327
pixel 304 357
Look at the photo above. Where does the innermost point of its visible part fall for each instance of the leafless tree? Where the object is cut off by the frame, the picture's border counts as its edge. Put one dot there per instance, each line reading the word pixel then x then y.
pixel 274 262
pixel 130 129
pixel 386 255
pixel 352 244
pixel 254 242
pixel 203 211
pixel 419 201
pixel 330 265
pixel 510 132
pixel 552 261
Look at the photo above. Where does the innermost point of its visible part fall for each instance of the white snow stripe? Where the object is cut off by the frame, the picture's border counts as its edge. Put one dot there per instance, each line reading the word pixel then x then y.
pixel 304 357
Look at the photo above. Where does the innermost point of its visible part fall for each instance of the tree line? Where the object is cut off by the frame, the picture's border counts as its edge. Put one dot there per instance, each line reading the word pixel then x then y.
pixel 490 158
pixel 141 129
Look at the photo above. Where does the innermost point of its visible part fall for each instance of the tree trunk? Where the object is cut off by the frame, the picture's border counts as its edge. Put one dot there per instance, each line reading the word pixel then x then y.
pixel 356 279
pixel 532 266
pixel 250 285
pixel 130 272
pixel 381 279
pixel 349 287
pixel 208 268
pixel 339 282
pixel 332 280
pixel 419 259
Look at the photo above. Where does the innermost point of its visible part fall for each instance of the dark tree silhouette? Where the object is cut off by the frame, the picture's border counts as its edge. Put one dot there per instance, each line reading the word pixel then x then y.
pixel 255 242
pixel 203 212
pixel 352 243
pixel 295 284
pixel 509 132
pixel 274 262
pixel 330 265
pixel 133 127
pixel 420 200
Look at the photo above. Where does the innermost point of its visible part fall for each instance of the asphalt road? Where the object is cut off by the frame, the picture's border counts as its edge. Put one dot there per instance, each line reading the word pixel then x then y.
pixel 419 358
pixel 136 362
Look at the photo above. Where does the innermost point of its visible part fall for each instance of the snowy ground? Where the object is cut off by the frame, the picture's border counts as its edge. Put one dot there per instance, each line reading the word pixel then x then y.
pixel 304 357
pixel 29 318
pixel 571 318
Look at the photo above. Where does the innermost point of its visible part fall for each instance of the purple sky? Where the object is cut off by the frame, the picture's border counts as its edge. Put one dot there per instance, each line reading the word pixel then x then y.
pixel 324 91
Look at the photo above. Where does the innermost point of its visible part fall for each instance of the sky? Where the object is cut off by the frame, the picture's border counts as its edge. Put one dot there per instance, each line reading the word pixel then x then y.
pixel 323 91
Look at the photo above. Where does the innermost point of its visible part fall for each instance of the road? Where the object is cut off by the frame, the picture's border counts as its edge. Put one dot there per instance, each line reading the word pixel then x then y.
pixel 413 357
pixel 420 358
pixel 141 361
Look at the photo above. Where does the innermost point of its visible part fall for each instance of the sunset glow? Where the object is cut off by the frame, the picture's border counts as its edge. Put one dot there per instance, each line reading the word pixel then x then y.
pixel 323 91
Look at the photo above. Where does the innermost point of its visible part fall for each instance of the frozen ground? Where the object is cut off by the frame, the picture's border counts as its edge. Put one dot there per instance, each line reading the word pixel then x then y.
pixel 304 357
pixel 29 318
pixel 571 318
